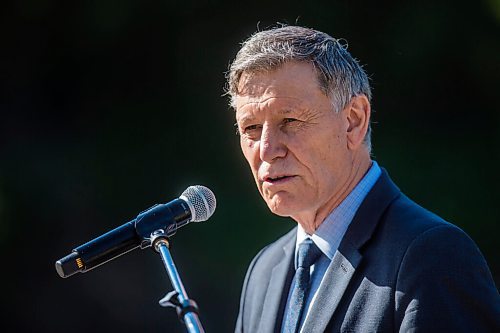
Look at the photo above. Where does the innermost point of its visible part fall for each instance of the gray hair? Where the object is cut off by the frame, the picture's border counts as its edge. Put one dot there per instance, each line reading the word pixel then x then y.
pixel 340 76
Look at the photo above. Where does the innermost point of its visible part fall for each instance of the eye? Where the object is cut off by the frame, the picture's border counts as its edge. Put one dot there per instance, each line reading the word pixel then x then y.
pixel 290 121
pixel 249 131
pixel 290 125
pixel 251 128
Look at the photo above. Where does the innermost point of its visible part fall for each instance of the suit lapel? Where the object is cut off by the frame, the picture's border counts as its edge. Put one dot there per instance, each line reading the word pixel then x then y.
pixel 333 286
pixel 348 256
pixel 277 290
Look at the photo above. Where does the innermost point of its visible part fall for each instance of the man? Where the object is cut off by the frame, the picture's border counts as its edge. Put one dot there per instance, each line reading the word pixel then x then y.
pixel 363 257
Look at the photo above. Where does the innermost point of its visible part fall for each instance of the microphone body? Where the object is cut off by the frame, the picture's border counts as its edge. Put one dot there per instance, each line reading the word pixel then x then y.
pixel 169 217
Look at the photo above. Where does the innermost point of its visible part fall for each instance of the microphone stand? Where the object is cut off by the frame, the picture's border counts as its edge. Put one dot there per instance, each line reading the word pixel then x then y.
pixel 187 309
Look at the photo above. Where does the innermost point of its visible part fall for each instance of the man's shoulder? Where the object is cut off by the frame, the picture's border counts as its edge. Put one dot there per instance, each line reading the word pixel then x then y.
pixel 408 228
pixel 274 252
pixel 415 217
pixel 269 257
pixel 400 214
pixel 393 221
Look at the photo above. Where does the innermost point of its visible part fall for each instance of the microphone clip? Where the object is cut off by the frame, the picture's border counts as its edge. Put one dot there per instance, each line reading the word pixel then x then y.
pixel 171 300
pixel 187 309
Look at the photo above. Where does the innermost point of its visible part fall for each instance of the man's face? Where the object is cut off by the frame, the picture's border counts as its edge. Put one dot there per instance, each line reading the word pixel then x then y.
pixel 294 142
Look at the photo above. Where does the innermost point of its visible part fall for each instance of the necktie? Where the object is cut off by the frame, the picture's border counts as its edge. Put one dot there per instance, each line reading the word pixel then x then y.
pixel 307 254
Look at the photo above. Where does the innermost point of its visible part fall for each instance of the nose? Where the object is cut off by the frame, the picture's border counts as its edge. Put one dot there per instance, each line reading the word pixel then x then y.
pixel 272 144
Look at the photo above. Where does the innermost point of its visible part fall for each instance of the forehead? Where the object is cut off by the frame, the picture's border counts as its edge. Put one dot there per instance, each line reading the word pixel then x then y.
pixel 292 84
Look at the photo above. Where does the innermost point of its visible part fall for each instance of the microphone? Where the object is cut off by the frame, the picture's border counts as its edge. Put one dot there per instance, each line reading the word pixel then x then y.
pixel 196 204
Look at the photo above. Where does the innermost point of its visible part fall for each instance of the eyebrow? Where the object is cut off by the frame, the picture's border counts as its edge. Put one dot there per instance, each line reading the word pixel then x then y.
pixel 244 118
pixel 250 117
pixel 285 111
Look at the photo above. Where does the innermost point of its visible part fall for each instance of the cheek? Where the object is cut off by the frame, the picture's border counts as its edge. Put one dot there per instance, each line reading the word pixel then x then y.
pixel 251 152
pixel 246 145
pixel 321 164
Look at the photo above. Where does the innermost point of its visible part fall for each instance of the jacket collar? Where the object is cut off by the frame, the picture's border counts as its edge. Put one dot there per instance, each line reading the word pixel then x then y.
pixel 348 256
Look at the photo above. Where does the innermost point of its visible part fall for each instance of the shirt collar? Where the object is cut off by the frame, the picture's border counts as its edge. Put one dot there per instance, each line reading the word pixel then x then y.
pixel 331 231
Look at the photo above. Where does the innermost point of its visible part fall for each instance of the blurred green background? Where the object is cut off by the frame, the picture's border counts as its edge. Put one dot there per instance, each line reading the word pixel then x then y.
pixel 110 107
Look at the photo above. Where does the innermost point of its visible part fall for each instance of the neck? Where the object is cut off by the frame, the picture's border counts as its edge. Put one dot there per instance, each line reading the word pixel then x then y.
pixel 310 222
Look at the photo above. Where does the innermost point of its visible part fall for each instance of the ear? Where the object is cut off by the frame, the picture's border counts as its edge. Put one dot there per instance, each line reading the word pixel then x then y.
pixel 358 116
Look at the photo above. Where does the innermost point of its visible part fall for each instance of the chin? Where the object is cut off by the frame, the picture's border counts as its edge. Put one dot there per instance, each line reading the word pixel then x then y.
pixel 279 213
pixel 281 206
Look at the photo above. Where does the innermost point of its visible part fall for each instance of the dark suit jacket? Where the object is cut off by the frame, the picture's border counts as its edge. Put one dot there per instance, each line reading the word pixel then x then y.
pixel 399 268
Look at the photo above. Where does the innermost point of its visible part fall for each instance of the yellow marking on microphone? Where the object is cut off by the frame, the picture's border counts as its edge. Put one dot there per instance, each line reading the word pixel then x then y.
pixel 79 262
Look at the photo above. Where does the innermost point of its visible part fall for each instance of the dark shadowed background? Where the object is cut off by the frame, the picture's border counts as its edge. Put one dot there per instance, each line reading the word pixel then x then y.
pixel 110 107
